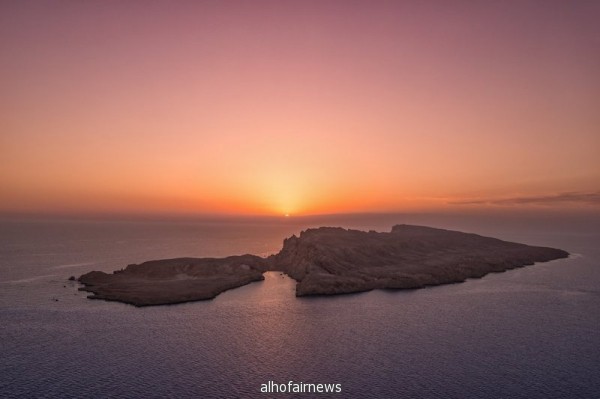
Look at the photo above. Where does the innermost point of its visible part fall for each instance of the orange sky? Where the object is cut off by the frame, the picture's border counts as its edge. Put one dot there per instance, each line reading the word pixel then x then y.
pixel 298 107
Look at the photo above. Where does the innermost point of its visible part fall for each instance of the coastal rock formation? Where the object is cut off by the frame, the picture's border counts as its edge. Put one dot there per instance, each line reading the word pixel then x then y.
pixel 170 281
pixel 337 261
pixel 325 261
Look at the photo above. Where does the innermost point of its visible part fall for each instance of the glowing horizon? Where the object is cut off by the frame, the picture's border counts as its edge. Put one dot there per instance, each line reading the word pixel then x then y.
pixel 276 108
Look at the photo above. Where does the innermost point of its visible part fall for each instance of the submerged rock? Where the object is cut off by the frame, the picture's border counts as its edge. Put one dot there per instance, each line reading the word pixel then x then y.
pixel 324 261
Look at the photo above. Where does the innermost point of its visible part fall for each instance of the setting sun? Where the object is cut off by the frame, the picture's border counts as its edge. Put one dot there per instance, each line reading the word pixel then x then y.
pixel 292 110
pixel 316 198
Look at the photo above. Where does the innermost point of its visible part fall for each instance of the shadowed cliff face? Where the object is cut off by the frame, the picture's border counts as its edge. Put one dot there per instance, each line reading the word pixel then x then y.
pixel 334 260
pixel 325 261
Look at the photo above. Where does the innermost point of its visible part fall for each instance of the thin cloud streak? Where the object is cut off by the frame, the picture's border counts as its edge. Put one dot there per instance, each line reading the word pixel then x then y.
pixel 592 198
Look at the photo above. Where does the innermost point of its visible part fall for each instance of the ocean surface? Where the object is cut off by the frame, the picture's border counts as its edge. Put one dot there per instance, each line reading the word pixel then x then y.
pixel 529 333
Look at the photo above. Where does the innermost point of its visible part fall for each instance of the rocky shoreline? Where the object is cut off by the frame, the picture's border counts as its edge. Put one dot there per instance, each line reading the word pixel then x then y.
pixel 324 261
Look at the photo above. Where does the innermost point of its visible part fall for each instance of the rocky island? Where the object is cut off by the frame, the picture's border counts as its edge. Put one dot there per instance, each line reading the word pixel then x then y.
pixel 171 281
pixel 324 261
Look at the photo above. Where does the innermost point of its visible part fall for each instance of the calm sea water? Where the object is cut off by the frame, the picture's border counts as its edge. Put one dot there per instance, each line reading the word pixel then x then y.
pixel 527 333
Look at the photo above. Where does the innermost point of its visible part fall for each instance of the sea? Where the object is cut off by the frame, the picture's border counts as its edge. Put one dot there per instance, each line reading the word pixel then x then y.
pixel 532 332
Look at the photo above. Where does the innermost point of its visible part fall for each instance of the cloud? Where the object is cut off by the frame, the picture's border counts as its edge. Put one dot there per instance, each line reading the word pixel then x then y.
pixel 592 198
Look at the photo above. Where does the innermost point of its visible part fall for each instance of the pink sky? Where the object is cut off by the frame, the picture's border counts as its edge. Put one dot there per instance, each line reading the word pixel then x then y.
pixel 298 106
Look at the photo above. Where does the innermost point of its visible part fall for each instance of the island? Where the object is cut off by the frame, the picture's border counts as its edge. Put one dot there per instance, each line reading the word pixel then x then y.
pixel 324 261
pixel 171 281
pixel 338 261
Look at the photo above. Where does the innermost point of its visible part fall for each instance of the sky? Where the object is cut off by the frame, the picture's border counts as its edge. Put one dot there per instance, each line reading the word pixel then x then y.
pixel 298 107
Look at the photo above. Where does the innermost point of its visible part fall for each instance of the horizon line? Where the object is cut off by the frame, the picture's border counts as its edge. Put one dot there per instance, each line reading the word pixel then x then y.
pixel 231 217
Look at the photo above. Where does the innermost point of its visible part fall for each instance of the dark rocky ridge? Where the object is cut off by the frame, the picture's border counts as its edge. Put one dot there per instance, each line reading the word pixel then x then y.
pixel 325 261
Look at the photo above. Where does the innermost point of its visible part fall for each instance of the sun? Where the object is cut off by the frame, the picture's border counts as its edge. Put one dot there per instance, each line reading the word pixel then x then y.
pixel 287 215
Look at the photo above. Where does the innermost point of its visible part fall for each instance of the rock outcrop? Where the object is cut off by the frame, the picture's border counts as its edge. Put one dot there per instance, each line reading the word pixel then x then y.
pixel 325 261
